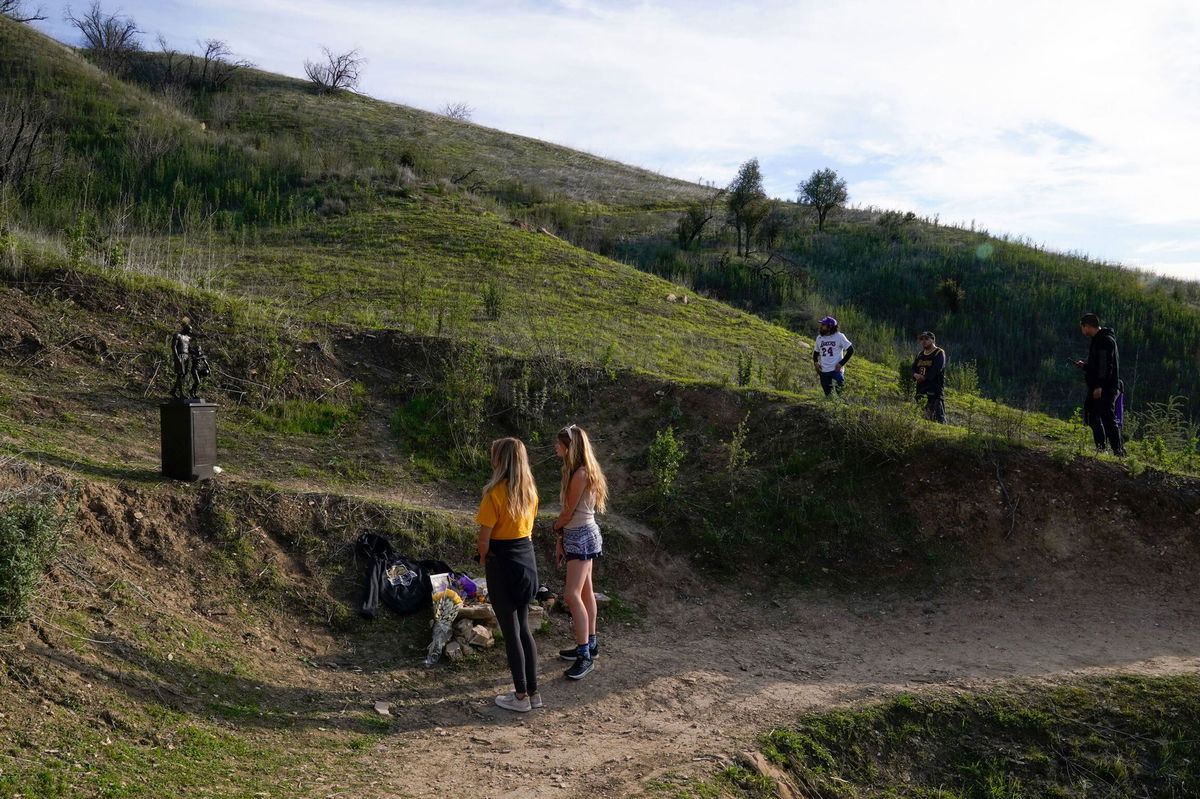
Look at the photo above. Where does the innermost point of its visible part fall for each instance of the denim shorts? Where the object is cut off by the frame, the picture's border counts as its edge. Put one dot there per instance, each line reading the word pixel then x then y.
pixel 583 543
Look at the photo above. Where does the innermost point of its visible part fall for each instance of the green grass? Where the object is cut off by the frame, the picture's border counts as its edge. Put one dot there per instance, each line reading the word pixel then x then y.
pixel 1119 737
pixel 298 416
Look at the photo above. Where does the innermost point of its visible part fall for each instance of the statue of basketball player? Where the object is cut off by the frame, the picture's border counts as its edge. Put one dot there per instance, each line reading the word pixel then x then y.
pixel 198 366
pixel 181 348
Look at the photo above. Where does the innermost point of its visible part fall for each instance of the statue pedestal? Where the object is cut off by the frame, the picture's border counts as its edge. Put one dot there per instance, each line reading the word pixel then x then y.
pixel 189 439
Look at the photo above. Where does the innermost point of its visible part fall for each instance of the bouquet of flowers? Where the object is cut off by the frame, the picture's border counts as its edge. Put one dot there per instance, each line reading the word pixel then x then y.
pixel 446 603
pixel 474 591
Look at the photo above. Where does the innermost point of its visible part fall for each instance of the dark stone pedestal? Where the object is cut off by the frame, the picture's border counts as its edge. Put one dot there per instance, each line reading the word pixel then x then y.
pixel 189 439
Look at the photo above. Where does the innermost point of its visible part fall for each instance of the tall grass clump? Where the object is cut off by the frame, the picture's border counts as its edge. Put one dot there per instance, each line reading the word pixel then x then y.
pixel 1165 437
pixel 881 431
pixel 32 525
pixel 467 380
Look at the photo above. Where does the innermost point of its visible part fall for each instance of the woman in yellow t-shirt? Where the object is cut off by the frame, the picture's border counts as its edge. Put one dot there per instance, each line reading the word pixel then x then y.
pixel 505 520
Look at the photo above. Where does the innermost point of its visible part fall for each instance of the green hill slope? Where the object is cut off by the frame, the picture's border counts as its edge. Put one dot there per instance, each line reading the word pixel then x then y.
pixel 1009 307
pixel 343 209
pixel 372 324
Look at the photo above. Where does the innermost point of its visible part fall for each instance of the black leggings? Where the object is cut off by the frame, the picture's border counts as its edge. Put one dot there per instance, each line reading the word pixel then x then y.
pixel 512 583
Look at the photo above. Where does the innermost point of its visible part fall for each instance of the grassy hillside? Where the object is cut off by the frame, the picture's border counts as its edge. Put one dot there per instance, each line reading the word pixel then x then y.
pixel 373 134
pixel 267 153
pixel 264 150
pixel 137 673
pixel 373 324
pixel 1009 307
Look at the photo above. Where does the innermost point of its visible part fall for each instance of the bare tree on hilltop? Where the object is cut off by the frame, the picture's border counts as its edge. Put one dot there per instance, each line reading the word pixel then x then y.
pixel 214 69
pixel 111 39
pixel 337 72
pixel 460 111
pixel 824 191
pixel 15 10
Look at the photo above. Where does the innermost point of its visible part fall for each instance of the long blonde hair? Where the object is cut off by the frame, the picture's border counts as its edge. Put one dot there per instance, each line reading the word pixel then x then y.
pixel 510 462
pixel 579 453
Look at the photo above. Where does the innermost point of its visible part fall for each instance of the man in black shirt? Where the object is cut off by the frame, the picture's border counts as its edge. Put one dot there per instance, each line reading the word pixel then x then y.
pixel 1102 372
pixel 929 370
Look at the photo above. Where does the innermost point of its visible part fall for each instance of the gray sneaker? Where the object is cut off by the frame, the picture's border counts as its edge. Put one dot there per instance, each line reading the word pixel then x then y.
pixel 509 701
pixel 535 699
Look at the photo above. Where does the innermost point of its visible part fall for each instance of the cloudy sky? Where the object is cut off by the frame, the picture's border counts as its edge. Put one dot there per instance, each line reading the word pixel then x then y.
pixel 1072 124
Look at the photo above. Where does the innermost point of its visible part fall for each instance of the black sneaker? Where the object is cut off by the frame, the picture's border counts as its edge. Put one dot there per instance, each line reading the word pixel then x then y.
pixel 580 670
pixel 569 655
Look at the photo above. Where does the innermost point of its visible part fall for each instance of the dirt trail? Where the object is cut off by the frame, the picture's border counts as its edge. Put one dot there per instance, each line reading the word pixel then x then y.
pixel 696 683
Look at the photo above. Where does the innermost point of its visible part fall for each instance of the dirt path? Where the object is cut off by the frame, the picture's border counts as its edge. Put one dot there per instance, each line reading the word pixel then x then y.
pixel 696 682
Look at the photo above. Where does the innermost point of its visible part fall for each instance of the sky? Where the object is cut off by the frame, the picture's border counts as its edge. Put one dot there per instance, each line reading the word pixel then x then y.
pixel 1069 124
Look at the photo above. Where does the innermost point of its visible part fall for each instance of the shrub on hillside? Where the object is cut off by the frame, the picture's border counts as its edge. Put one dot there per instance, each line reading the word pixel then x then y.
pixel 31 527
pixel 1166 437
pixel 666 455
pixel 493 299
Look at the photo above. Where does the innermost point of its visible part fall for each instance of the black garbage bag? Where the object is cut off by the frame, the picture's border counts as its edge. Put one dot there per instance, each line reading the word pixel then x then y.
pixel 394 580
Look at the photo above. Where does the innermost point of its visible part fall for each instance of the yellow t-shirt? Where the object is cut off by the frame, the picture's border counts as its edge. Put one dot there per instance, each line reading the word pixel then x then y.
pixel 493 513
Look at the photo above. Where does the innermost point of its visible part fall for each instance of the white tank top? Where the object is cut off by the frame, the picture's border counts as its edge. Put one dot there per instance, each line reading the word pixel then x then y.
pixel 585 509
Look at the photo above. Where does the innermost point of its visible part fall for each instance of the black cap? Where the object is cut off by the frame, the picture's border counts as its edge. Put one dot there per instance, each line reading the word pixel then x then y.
pixel 927 334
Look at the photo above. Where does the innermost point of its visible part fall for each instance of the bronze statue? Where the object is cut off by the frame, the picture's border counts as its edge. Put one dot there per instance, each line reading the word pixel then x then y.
pixel 189 360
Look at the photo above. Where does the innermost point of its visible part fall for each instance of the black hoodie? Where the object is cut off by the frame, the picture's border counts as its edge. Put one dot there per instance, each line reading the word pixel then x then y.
pixel 1103 364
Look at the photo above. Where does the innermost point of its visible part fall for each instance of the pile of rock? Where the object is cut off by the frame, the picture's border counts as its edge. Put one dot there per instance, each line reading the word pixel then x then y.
pixel 468 637
pixel 476 627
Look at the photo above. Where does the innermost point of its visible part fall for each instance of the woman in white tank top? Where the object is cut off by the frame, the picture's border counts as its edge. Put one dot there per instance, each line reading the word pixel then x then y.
pixel 583 493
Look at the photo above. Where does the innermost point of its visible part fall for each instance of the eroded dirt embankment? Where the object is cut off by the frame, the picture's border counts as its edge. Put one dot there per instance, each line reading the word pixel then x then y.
pixel 170 594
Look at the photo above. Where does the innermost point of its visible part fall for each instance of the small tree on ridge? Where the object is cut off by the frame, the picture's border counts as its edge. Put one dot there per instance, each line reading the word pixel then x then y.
pixel 745 200
pixel 15 10
pixel 112 40
pixel 460 111
pixel 824 191
pixel 338 71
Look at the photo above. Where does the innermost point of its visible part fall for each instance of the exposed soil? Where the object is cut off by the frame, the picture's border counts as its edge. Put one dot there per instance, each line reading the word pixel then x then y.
pixel 701 680
pixel 677 690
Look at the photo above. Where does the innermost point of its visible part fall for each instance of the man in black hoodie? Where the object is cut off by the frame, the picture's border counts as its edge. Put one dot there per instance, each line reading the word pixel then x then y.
pixel 1102 372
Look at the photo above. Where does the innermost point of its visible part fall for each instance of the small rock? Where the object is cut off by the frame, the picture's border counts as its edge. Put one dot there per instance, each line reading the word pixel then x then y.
pixel 671 298
pixel 383 708
pixel 482 612
pixel 602 600
pixel 481 636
